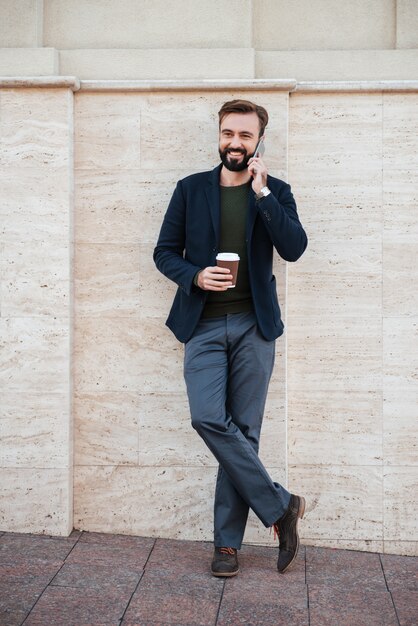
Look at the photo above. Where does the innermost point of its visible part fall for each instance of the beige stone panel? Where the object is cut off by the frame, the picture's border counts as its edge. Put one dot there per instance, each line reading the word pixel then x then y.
pixel 115 354
pixel 336 210
pixel 122 207
pixel 341 353
pixel 323 25
pixel 400 390
pixel 156 292
pixel 343 503
pixel 28 61
pixel 130 206
pixel 36 128
pixel 327 428
pixel 327 122
pixel 400 355
pixel 406 24
pixel 400 278
pixel 180 129
pixel 36 501
pixel 147 24
pixel 166 436
pixel 335 280
pixel 400 195
pixel 400 503
pixel 406 548
pixel 36 279
pixel 400 218
pixel 273 438
pixel 35 207
pixel 107 130
pixel 35 430
pixel 400 130
pixel 363 545
pixel 276 134
pixel 106 428
pixel 106 280
pixel 19 25
pixel 330 135
pixel 35 354
pixel 175 502
pixel 171 118
pixel 1 280
pixel 309 65
pixel 280 271
pixel 400 415
pixel 156 64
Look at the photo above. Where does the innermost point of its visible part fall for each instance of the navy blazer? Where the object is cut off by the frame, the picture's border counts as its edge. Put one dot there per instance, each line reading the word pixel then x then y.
pixel 189 240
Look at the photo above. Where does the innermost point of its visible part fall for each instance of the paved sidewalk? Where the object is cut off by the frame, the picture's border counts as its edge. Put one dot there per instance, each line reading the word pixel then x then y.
pixel 92 579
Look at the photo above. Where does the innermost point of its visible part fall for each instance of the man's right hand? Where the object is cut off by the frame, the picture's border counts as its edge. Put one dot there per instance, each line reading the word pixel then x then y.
pixel 214 279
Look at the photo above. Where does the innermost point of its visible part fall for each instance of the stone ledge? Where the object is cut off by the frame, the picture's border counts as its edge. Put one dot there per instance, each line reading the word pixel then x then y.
pixel 356 86
pixel 285 84
pixel 10 82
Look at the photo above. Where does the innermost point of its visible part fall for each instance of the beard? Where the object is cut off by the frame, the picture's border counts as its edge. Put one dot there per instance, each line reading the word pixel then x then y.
pixel 234 165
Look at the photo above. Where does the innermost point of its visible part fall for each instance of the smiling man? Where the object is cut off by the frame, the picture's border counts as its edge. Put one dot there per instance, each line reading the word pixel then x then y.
pixel 229 333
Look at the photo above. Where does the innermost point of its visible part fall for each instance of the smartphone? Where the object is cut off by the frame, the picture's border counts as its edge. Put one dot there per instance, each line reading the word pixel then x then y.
pixel 260 149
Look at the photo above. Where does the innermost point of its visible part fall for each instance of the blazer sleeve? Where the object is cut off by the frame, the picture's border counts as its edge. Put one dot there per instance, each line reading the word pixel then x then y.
pixel 169 251
pixel 281 220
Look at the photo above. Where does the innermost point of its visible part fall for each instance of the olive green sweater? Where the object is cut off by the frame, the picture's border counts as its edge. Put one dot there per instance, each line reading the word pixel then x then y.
pixel 234 208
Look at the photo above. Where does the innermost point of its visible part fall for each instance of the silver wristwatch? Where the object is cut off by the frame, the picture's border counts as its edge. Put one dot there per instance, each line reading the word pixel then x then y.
pixel 264 191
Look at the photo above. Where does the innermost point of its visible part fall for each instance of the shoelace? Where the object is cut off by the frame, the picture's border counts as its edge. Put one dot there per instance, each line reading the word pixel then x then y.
pixel 276 532
pixel 230 551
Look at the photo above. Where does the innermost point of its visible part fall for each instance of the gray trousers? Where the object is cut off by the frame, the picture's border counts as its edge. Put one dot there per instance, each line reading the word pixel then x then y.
pixel 227 369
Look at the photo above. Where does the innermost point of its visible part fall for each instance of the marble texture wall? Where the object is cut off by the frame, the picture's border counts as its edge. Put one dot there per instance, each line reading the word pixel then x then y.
pixel 36 181
pixel 139 466
pixel 352 319
pixel 341 414
pixel 195 39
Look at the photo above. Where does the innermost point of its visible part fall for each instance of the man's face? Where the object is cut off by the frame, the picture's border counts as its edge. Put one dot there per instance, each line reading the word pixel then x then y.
pixel 238 137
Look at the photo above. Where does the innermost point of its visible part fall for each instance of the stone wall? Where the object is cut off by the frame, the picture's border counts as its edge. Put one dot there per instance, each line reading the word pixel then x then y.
pixel 341 412
pixel 352 318
pixel 155 39
pixel 36 245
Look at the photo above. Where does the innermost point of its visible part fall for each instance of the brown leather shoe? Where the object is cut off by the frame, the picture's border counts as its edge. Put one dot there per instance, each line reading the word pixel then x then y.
pixel 287 530
pixel 225 562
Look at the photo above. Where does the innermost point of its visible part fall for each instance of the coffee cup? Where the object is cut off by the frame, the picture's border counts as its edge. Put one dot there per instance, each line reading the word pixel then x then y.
pixel 230 260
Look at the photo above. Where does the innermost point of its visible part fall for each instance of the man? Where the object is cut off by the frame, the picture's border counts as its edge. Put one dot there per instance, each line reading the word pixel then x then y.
pixel 229 333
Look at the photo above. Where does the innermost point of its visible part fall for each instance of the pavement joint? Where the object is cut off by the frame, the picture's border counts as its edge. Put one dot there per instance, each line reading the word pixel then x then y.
pixel 120 580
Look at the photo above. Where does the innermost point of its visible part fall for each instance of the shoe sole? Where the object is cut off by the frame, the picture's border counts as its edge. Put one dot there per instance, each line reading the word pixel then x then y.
pixel 301 513
pixel 225 574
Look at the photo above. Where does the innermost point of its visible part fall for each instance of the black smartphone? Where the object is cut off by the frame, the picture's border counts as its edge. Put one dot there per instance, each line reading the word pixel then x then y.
pixel 260 149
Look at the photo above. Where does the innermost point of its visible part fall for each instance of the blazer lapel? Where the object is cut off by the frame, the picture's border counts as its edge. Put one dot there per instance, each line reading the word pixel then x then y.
pixel 213 197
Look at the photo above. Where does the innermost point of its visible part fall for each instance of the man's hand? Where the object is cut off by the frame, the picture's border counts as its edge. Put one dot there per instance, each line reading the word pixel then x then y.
pixel 214 279
pixel 258 171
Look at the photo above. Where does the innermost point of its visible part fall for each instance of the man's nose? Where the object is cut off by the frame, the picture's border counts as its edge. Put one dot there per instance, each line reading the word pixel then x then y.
pixel 235 142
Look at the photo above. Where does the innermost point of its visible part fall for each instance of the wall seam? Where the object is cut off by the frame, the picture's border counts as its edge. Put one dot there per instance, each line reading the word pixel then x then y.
pixel 39 12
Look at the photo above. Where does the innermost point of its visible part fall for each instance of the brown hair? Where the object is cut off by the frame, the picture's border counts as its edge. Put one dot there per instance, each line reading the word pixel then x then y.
pixel 244 106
